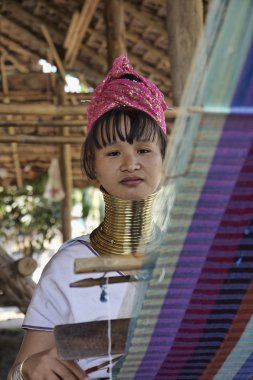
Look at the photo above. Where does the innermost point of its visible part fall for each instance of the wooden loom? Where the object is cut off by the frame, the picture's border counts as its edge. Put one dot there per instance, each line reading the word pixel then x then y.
pixel 195 320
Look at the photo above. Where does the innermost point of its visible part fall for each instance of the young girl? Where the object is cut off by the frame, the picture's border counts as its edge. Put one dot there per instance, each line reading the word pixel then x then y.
pixel 124 151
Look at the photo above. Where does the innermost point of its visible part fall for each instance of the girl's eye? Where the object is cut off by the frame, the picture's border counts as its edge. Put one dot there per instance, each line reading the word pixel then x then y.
pixel 143 151
pixel 113 154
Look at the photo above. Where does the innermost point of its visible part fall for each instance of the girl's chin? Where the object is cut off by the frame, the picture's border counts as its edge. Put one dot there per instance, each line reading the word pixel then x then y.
pixel 132 196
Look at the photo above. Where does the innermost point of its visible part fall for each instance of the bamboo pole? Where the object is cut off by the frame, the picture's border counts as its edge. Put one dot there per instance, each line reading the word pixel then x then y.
pixel 88 282
pixel 108 263
pixel 42 109
pixel 66 174
pixel 42 123
pixel 27 139
pixel 71 30
pixel 55 110
pixel 88 10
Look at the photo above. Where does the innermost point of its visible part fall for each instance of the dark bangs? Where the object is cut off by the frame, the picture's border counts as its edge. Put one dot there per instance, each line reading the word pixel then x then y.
pixel 125 124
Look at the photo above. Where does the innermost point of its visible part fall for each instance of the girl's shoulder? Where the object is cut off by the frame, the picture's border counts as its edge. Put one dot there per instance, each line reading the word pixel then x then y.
pixel 77 241
pixel 70 250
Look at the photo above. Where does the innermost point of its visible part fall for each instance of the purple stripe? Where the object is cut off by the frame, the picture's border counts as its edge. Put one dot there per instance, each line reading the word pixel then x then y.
pixel 192 282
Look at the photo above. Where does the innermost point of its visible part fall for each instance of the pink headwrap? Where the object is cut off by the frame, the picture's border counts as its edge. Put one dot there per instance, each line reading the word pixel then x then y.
pixel 114 92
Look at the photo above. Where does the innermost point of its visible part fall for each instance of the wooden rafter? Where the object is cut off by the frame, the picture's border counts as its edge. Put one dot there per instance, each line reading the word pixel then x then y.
pixel 53 51
pixel 9 56
pixel 8 42
pixel 74 39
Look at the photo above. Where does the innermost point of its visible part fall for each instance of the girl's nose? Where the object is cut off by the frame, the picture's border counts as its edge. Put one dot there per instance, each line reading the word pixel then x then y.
pixel 130 163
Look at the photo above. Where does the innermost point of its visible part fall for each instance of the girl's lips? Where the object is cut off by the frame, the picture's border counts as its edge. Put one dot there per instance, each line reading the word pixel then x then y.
pixel 131 181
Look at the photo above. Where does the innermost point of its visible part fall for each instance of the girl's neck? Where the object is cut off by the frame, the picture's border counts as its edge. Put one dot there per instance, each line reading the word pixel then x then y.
pixel 126 228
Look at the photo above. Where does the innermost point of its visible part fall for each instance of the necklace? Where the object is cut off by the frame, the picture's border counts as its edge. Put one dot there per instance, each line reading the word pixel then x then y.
pixel 126 228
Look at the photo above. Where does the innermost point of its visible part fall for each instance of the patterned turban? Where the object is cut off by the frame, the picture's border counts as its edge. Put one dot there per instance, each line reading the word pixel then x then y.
pixel 115 91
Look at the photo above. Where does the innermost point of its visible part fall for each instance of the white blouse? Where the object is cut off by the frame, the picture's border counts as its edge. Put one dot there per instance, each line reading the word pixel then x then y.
pixel 54 302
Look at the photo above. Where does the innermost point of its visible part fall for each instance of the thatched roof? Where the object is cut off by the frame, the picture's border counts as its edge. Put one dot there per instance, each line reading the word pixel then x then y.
pixel 36 114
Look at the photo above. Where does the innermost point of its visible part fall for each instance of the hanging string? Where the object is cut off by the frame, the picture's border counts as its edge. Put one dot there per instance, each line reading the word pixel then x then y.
pixel 109 333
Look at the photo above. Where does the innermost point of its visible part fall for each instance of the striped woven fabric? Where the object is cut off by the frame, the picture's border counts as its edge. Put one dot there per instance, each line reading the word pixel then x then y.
pixel 196 320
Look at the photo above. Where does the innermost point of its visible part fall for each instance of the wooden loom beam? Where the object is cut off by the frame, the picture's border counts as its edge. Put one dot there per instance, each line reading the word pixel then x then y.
pixel 108 263
pixel 80 340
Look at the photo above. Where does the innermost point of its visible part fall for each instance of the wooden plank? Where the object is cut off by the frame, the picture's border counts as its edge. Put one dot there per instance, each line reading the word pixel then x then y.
pixel 83 340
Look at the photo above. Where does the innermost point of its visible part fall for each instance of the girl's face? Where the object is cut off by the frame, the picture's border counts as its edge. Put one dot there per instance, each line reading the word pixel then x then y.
pixel 129 171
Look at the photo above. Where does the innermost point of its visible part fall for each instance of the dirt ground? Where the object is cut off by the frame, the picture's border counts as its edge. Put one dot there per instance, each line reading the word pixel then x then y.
pixel 10 340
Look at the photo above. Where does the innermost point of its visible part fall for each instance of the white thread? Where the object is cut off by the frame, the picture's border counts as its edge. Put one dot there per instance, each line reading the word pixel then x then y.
pixel 109 333
pixel 162 275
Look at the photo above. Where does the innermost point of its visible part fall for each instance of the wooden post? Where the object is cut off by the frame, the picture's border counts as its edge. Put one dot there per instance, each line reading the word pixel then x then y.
pixel 115 29
pixel 14 146
pixel 184 25
pixel 67 182
pixel 66 176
